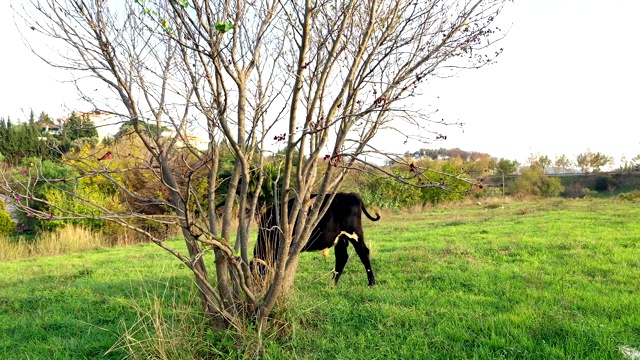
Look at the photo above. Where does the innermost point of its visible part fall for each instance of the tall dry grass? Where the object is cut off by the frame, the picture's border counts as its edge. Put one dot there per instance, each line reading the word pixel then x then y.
pixel 180 333
pixel 65 240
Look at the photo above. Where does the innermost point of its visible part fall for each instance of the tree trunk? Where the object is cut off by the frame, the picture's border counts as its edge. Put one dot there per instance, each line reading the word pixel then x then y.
pixel 213 316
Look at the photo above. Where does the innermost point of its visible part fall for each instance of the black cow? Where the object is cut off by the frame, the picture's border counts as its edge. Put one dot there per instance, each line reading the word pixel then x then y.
pixel 341 224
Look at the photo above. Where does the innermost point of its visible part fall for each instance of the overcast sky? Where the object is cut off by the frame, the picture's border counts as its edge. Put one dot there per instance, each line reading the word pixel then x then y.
pixel 567 81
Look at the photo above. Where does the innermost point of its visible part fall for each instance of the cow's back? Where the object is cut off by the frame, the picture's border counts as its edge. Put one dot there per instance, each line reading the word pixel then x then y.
pixel 343 215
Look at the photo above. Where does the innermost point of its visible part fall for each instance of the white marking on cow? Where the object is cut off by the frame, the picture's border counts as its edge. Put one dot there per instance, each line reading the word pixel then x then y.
pixel 629 352
pixel 353 236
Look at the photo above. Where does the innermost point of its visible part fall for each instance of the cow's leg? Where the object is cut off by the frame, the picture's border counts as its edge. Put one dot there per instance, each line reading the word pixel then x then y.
pixel 341 259
pixel 260 255
pixel 363 252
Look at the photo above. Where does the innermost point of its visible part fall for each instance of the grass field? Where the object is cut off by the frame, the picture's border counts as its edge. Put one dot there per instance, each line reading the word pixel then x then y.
pixel 552 279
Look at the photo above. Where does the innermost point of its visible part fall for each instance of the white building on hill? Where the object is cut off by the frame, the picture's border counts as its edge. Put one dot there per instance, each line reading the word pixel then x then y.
pixel 193 140
pixel 107 124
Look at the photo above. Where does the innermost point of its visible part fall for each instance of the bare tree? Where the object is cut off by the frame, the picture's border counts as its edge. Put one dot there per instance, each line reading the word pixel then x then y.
pixel 635 161
pixel 541 161
pixel 584 161
pixel 325 77
pixel 590 160
pixel 562 162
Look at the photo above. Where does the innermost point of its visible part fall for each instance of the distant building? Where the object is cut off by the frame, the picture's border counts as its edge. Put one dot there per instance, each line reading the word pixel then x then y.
pixel 49 128
pixel 107 124
pixel 193 140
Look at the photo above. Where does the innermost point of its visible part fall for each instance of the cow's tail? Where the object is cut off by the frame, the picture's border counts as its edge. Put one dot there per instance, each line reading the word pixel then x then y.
pixel 369 216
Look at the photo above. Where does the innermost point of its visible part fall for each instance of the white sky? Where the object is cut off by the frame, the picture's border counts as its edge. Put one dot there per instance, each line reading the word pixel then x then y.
pixel 567 81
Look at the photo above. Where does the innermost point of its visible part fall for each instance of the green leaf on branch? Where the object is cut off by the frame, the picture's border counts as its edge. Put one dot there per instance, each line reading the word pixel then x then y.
pixel 183 3
pixel 223 27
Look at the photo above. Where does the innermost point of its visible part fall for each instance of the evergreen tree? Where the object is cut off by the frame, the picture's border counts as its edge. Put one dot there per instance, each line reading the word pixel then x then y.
pixel 10 144
pixel 31 138
pixel 4 137
pixel 17 141
pixel 44 118
pixel 78 127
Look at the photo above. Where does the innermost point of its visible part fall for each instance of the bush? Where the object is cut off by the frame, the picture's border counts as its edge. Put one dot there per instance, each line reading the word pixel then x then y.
pixel 588 193
pixel 533 181
pixel 393 194
pixel 604 183
pixel 388 194
pixel 40 178
pixel 575 190
pixel 7 226
pixel 633 195
pixel 96 199
pixel 64 192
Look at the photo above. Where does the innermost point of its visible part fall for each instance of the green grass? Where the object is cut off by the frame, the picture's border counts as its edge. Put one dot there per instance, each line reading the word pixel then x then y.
pixel 552 279
pixel 71 306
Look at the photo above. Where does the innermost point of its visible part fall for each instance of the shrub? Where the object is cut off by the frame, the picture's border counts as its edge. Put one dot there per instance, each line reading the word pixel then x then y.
pixel 389 194
pixel 392 194
pixel 588 193
pixel 64 192
pixel 604 183
pixel 633 195
pixel 96 199
pixel 40 178
pixel 6 223
pixel 533 181
pixel 575 190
